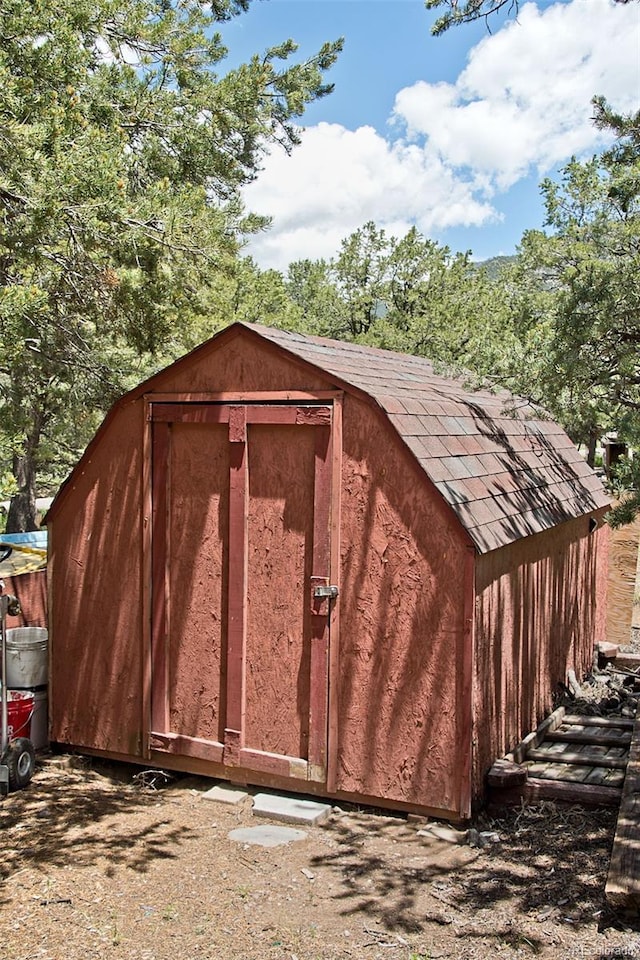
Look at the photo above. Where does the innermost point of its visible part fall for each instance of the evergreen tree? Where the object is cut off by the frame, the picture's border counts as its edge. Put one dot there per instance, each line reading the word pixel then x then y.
pixel 580 290
pixel 457 12
pixel 123 149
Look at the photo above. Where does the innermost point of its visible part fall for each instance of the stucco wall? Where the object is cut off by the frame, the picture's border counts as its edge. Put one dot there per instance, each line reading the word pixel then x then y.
pixel 540 608
pixel 95 556
pixel 402 721
pixel 239 365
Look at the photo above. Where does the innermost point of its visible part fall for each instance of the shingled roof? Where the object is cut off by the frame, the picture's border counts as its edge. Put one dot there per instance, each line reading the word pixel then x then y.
pixel 506 472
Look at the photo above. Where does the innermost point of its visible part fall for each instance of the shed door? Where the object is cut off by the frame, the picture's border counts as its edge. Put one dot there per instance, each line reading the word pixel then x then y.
pixel 241 503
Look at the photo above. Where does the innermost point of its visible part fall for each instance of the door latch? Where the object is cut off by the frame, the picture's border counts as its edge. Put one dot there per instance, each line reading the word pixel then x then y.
pixel 326 592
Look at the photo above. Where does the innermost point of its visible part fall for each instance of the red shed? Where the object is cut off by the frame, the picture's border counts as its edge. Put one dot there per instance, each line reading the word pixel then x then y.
pixel 317 566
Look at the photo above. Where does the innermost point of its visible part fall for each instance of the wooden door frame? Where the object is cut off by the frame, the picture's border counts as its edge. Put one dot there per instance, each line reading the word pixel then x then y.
pixel 255 407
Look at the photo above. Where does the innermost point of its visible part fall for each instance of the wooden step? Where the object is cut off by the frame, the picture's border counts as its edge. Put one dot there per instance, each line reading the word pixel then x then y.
pixel 597 750
pixel 606 777
pixel 571 757
pixel 595 735
pixel 557 771
pixel 575 718
pixel 538 789
pixel 576 773
pixel 579 759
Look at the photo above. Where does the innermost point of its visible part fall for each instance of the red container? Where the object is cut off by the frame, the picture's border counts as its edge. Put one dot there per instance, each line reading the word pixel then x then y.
pixel 19 713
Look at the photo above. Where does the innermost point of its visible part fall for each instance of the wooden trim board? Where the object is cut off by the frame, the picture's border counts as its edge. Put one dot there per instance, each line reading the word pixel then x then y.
pixel 623 881
pixel 535 738
pixel 333 665
pixel 576 735
pixel 147 573
pixel 574 719
pixel 537 789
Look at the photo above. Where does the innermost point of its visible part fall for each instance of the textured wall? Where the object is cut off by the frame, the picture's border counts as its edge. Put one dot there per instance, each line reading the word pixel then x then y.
pixel 240 364
pixel 31 591
pixel 540 608
pixel 95 620
pixel 198 569
pixel 401 721
pixel 279 567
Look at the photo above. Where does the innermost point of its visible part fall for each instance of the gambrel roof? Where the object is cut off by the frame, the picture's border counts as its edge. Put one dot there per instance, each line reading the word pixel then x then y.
pixel 505 471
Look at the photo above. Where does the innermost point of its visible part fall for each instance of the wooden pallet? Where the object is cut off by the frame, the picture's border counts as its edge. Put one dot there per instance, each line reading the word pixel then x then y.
pixel 569 757
pixel 593 751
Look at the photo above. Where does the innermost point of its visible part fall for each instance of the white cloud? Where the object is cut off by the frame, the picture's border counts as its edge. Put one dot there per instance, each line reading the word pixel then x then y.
pixel 521 105
pixel 524 99
pixel 337 179
pixel 108 52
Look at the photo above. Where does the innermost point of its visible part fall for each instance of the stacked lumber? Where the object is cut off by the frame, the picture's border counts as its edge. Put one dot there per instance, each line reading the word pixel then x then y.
pixel 623 604
pixel 623 881
pixel 635 617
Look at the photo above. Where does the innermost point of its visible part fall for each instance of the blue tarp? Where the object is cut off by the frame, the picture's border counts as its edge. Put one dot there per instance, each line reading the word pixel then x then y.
pixel 22 553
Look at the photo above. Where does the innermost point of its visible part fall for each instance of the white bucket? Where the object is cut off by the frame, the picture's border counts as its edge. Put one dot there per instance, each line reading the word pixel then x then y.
pixel 27 659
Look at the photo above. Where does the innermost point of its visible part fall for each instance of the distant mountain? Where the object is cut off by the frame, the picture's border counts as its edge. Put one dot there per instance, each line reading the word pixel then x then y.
pixel 494 265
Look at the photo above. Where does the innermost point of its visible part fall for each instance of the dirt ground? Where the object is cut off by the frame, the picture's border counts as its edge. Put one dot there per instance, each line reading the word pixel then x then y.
pixel 95 865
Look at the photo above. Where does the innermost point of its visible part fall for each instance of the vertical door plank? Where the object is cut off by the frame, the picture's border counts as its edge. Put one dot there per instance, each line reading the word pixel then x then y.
pixel 279 567
pixel 320 609
pixel 160 551
pixel 237 589
pixel 333 679
pixel 198 535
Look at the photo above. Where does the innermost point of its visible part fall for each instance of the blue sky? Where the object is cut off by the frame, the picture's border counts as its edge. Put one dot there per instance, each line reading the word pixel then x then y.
pixel 452 134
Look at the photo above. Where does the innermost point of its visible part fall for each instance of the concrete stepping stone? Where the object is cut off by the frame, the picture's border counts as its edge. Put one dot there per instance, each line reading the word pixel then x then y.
pixel 267 835
pixel 439 831
pixel 289 809
pixel 225 794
